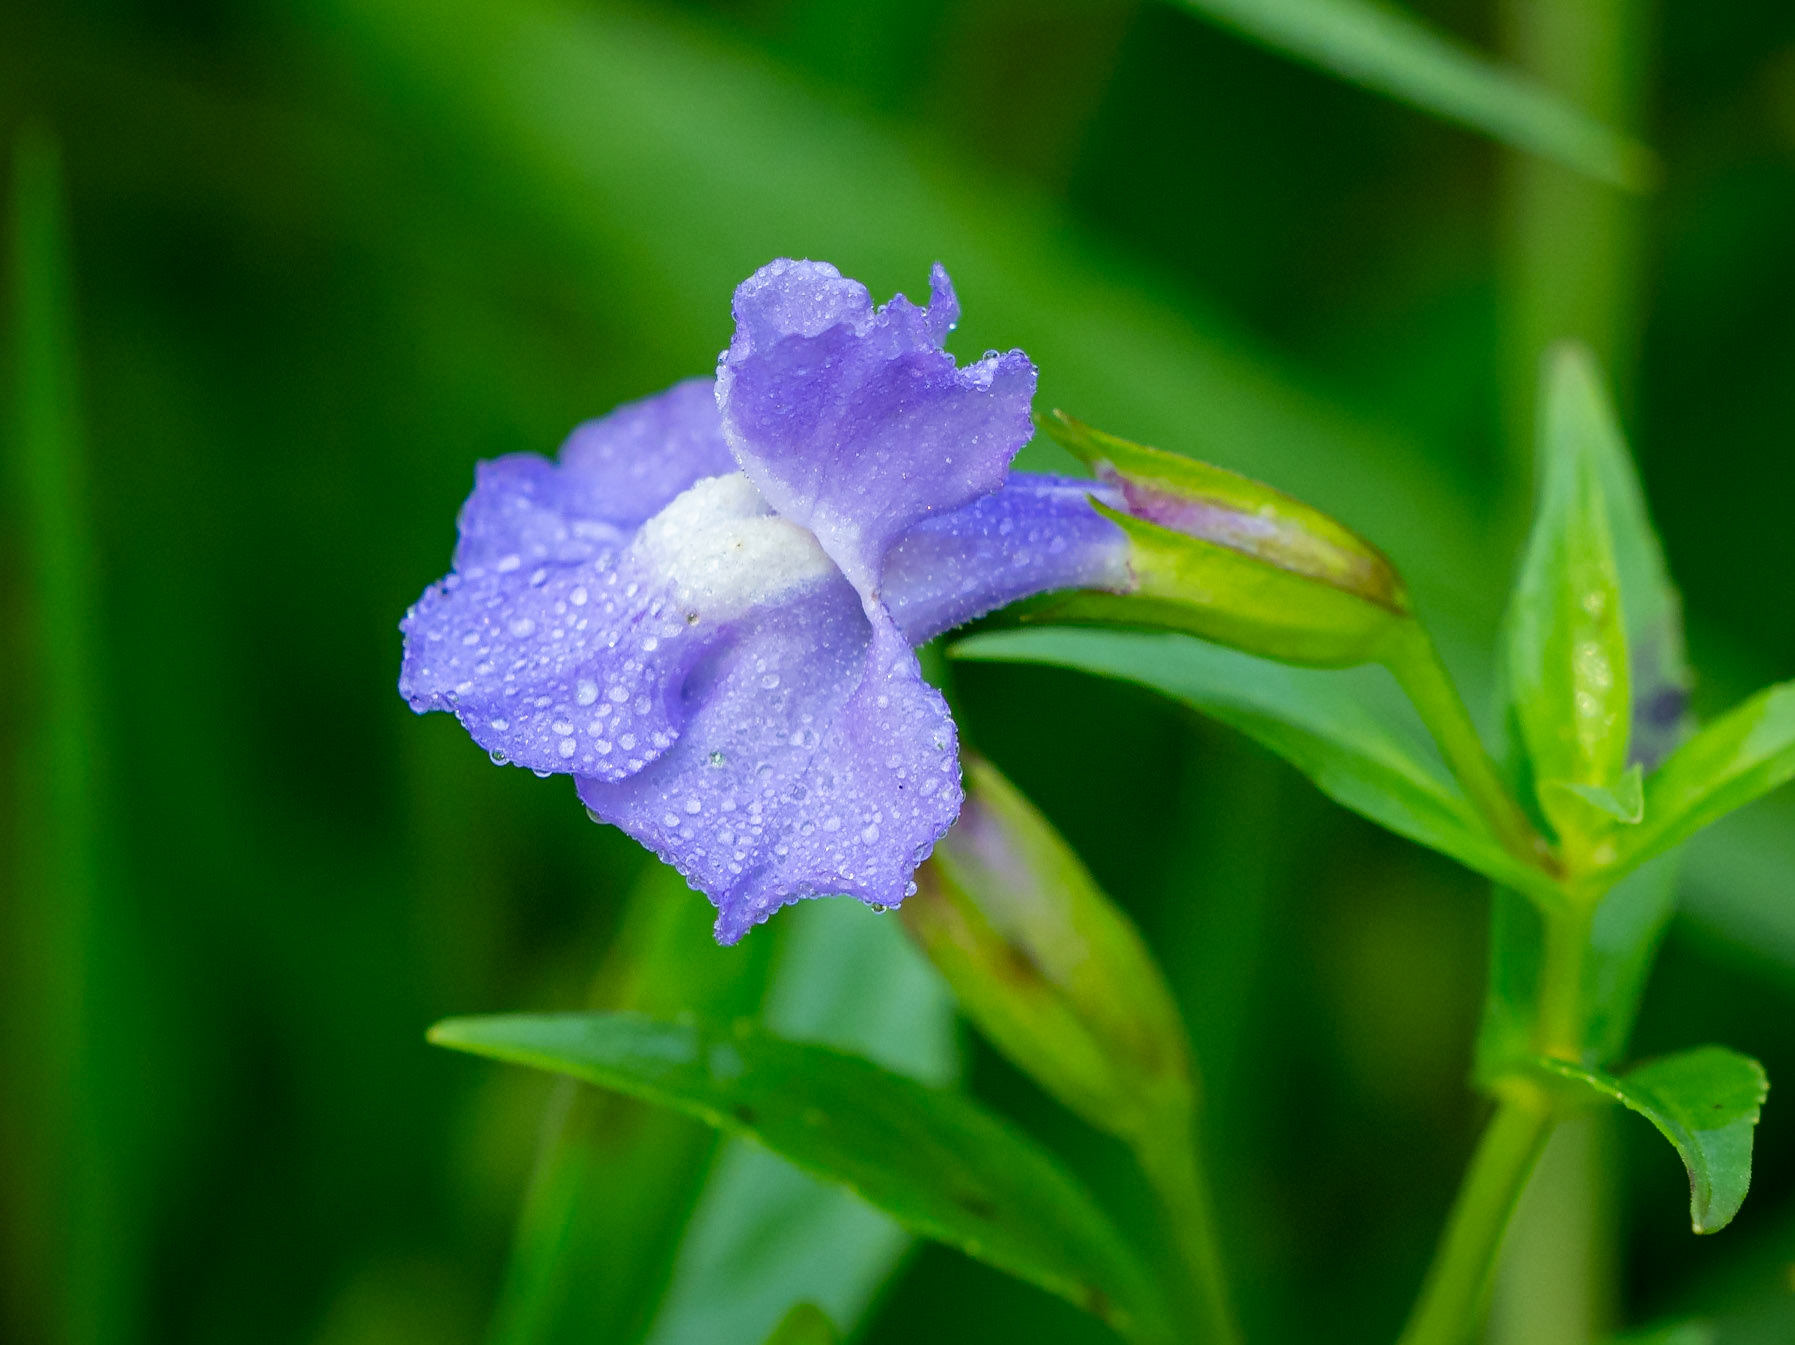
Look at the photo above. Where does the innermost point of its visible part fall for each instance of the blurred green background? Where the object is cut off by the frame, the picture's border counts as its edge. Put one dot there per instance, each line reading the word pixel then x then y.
pixel 327 254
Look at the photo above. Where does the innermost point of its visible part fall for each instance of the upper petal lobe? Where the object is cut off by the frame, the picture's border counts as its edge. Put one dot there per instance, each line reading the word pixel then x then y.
pixel 852 420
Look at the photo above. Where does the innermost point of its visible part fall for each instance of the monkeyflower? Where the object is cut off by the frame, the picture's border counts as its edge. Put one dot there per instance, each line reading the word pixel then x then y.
pixel 706 610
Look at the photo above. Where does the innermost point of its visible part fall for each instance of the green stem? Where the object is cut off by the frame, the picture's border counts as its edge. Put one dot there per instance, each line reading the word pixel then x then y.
pixel 1559 1024
pixel 1459 1278
pixel 1416 665
pixel 1170 1159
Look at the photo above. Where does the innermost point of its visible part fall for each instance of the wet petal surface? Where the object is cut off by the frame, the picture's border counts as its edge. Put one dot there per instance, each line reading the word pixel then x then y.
pixel 1037 534
pixel 852 420
pixel 814 760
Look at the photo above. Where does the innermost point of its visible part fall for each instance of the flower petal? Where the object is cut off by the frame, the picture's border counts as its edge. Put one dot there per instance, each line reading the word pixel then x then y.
pixel 852 420
pixel 814 760
pixel 613 473
pixel 1037 534
pixel 562 668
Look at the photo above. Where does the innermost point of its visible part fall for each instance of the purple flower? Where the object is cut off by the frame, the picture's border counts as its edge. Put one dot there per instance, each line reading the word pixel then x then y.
pixel 705 611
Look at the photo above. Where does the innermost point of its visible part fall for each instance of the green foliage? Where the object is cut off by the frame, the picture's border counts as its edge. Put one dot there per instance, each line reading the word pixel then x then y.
pixel 1740 757
pixel 1383 48
pixel 763 1233
pixel 942 1166
pixel 616 1181
pixel 1706 1103
pixel 1349 732
pixel 1566 656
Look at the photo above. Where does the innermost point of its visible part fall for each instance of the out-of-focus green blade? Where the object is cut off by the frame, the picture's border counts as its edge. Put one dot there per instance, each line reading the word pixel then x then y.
pixel 618 137
pixel 1348 731
pixel 1380 47
pixel 1706 1103
pixel 67 1179
pixel 934 1160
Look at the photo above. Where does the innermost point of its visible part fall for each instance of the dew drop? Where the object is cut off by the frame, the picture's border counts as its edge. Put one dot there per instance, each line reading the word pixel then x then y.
pixel 585 692
pixel 499 756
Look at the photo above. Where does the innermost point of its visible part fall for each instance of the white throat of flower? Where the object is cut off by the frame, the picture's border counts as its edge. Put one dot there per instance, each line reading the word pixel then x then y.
pixel 724 551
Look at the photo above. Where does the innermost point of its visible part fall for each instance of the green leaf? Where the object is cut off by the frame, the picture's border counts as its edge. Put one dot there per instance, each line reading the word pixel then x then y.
pixel 765 1234
pixel 1741 756
pixel 1706 1103
pixel 1629 922
pixel 1382 48
pixel 1658 664
pixel 805 1324
pixel 1567 659
pixel 1350 732
pixel 939 1164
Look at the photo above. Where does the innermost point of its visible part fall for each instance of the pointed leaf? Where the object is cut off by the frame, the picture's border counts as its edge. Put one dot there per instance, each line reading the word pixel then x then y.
pixel 1706 1103
pixel 1567 657
pixel 1350 732
pixel 1741 756
pixel 1380 47
pixel 1658 664
pixel 935 1161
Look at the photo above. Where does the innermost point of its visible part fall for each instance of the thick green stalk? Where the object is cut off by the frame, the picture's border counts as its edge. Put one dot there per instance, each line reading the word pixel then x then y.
pixel 1172 1164
pixel 1559 1030
pixel 1453 1296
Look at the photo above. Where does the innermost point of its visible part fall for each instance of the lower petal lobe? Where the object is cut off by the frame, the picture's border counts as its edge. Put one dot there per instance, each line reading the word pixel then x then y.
pixel 814 760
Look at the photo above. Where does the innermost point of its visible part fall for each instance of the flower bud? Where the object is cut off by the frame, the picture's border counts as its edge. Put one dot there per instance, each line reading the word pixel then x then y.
pixel 1047 967
pixel 1221 556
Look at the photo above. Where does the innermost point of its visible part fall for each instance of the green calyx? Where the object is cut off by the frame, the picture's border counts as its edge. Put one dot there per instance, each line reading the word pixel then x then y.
pixel 1218 555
